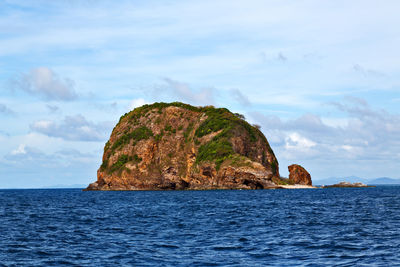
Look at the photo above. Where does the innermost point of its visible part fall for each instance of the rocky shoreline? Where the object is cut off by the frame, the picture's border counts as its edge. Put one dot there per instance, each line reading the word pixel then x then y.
pixel 298 186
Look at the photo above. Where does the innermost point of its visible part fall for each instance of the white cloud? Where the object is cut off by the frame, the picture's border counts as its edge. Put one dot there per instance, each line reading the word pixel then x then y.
pixel 295 141
pixel 73 128
pixel 44 82
pixel 30 167
pixel 43 124
pixel 348 148
pixel 137 103
pixel 170 90
pixel 25 153
pixel 366 134
pixel 155 39
pixel 20 150
pixel 184 92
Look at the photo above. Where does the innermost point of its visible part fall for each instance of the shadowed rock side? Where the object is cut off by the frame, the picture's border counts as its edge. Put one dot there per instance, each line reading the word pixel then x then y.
pixel 298 175
pixel 177 146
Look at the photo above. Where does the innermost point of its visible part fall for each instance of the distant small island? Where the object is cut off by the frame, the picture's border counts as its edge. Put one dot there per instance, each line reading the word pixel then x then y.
pixel 346 184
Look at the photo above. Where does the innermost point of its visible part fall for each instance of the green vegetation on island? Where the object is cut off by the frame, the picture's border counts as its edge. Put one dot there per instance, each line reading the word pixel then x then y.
pixel 218 149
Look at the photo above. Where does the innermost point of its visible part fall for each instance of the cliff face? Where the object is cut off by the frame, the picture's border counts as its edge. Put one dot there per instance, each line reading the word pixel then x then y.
pixel 178 146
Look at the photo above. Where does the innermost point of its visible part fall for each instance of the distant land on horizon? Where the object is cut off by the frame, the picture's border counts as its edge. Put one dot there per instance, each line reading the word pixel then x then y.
pixel 64 186
pixel 57 186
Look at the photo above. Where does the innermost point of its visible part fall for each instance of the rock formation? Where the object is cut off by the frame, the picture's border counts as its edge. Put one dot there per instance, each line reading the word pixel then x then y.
pixel 177 146
pixel 298 175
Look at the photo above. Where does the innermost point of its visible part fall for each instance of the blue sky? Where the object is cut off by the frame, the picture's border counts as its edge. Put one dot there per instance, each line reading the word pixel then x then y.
pixel 322 78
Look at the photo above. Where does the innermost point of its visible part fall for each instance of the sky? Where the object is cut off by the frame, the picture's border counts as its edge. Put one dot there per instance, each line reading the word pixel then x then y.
pixel 321 78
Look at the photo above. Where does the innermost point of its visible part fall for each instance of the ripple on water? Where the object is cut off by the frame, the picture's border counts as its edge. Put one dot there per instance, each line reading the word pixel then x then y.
pixel 342 227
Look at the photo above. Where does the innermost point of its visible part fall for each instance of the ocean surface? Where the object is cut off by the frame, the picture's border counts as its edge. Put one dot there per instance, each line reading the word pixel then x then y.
pixel 305 227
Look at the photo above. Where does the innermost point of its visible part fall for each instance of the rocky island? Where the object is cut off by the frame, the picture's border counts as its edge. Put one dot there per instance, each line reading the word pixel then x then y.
pixel 176 146
pixel 347 184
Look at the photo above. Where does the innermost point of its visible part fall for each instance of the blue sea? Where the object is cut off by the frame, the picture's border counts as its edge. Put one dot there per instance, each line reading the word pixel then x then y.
pixel 304 227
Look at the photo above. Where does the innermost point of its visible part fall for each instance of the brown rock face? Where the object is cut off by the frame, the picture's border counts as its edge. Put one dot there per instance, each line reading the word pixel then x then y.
pixel 298 175
pixel 175 146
